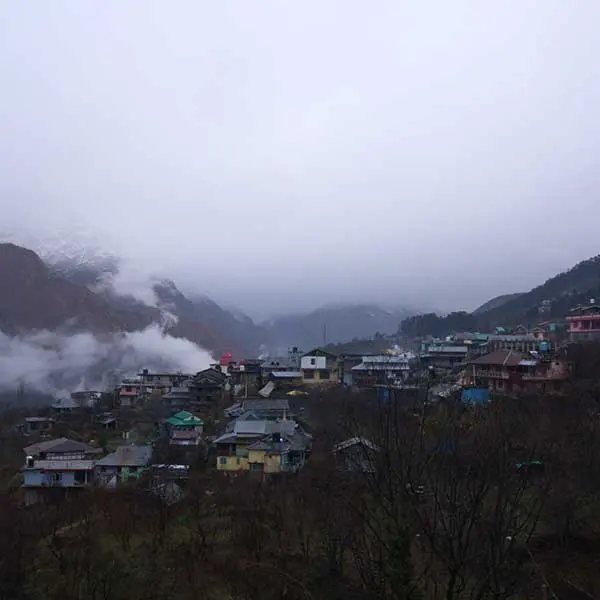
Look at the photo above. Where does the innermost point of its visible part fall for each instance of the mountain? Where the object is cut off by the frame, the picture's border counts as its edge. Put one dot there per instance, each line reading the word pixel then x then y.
pixel 33 298
pixel 494 303
pixel 554 298
pixel 241 337
pixel 36 296
pixel 332 324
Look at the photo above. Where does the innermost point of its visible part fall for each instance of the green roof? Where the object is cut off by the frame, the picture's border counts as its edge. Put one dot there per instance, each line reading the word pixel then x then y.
pixel 184 418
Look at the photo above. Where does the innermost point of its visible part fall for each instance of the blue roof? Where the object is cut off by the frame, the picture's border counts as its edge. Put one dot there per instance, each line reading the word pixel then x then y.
pixel 287 374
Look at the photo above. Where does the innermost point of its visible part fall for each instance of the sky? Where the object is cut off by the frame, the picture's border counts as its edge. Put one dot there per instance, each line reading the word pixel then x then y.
pixel 277 155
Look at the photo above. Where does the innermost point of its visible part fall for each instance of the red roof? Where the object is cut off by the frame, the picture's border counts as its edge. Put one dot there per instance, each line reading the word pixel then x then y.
pixel 226 358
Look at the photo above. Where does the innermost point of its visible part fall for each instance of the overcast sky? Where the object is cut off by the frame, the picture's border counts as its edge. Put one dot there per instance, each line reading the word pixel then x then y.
pixel 279 155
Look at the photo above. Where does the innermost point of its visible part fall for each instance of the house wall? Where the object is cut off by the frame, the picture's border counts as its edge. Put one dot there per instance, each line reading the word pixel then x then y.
pixel 273 463
pixel 232 463
pixel 256 456
pixel 584 327
pixel 313 362
pixel 39 478
pixel 311 376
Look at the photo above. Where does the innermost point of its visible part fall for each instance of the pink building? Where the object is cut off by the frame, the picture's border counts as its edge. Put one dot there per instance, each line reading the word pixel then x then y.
pixel 584 323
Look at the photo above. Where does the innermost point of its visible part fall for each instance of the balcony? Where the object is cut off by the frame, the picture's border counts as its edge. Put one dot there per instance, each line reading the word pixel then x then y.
pixel 490 374
pixel 549 376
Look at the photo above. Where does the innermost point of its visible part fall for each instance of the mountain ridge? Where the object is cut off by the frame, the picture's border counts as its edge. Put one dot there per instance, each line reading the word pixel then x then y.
pixel 83 295
pixel 333 323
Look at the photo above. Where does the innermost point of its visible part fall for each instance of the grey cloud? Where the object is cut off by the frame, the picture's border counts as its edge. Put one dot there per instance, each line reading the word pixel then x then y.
pixel 281 155
pixel 51 362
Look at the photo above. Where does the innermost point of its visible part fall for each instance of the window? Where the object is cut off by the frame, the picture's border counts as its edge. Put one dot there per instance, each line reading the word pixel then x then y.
pixel 56 476
pixel 79 477
pixel 255 466
pixel 313 361
pixel 223 460
pixel 133 469
pixel 324 374
pixel 237 461
pixel 309 374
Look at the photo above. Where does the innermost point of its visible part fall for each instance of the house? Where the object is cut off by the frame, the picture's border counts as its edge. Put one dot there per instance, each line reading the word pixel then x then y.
pixel 320 367
pixel 184 429
pixel 207 387
pixel 281 452
pixel 346 362
pixel 162 382
pixel 178 398
pixel 583 323
pixel 289 362
pixel 384 369
pixel 86 399
pixel 508 371
pixel 65 406
pixel 246 375
pixel 443 354
pixel 126 464
pixel 37 425
pixel 525 342
pixel 283 378
pixel 267 409
pixel 476 342
pixel 262 446
pixel 107 421
pixel 59 466
pixel 128 391
pixel 356 454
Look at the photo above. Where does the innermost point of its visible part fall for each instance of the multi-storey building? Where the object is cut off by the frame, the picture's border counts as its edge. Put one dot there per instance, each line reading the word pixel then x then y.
pixel 58 467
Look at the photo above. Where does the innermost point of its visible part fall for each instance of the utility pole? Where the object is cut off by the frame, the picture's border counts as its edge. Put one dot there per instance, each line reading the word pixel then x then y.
pixel 21 393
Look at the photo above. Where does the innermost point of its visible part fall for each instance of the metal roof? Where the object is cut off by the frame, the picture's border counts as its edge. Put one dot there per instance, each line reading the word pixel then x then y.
pixel 127 456
pixel 355 441
pixel 382 367
pixel 275 362
pixel 259 404
pixel 252 428
pixel 66 403
pixel 58 445
pixel 439 349
pixel 184 418
pixel 61 465
pixel 528 337
pixel 286 374
pixel 391 359
pixel 500 357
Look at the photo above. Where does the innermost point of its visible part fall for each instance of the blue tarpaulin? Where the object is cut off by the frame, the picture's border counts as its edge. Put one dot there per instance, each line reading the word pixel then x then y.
pixel 475 395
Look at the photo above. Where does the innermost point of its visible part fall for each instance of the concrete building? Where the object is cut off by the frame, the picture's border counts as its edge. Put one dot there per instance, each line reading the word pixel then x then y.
pixel 583 323
pixel 57 468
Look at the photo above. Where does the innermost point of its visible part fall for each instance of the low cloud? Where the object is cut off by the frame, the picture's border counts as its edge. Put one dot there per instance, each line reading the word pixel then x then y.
pixel 131 282
pixel 55 363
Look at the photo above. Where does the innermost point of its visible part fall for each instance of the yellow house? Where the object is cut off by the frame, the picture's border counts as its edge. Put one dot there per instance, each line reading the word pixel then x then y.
pixel 262 446
pixel 320 367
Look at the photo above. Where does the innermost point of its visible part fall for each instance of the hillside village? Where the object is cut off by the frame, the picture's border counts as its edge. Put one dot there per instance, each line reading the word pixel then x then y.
pixel 249 414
